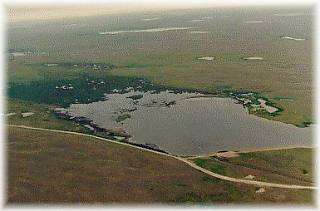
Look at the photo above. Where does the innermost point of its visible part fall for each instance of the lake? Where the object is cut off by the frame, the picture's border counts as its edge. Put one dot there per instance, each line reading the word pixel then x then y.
pixel 190 123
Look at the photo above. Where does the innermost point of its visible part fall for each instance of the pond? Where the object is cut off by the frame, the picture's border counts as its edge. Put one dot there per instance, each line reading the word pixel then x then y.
pixel 190 123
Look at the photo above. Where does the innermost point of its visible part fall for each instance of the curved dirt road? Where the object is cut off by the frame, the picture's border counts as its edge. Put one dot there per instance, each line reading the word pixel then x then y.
pixel 191 164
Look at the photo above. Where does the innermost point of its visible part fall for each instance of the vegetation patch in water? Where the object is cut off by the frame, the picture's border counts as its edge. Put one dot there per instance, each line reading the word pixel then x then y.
pixel 305 124
pixel 122 117
pixel 86 88
pixel 255 102
pixel 135 97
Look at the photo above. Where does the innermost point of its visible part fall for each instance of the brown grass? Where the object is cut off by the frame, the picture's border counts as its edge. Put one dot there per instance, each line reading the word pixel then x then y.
pixel 289 166
pixel 46 167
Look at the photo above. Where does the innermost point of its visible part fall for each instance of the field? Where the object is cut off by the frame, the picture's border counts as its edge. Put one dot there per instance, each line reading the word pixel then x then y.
pixel 43 116
pixel 169 58
pixel 50 167
pixel 294 166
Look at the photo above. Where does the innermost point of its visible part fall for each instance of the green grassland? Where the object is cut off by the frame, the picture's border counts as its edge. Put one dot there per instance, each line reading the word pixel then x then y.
pixel 294 166
pixel 170 58
pixel 43 116
pixel 48 167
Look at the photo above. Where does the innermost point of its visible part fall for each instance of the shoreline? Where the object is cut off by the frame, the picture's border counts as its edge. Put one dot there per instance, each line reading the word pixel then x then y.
pixel 275 148
pixel 184 160
pixel 113 134
pixel 249 150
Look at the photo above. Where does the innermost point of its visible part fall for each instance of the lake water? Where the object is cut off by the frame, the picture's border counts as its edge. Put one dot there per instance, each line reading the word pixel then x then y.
pixel 193 124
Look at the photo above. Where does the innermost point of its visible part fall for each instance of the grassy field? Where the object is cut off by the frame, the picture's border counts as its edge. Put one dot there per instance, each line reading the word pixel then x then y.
pixel 43 116
pixel 170 58
pixel 46 167
pixel 292 166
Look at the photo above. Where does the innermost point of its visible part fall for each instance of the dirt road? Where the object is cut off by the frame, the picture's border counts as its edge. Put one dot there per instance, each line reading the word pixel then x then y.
pixel 191 164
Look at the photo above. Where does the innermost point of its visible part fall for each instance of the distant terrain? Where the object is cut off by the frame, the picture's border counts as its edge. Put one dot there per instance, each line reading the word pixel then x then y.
pixel 170 58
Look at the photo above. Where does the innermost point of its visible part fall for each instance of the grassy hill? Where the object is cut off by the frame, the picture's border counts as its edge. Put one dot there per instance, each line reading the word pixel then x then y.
pixel 292 166
pixel 48 167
